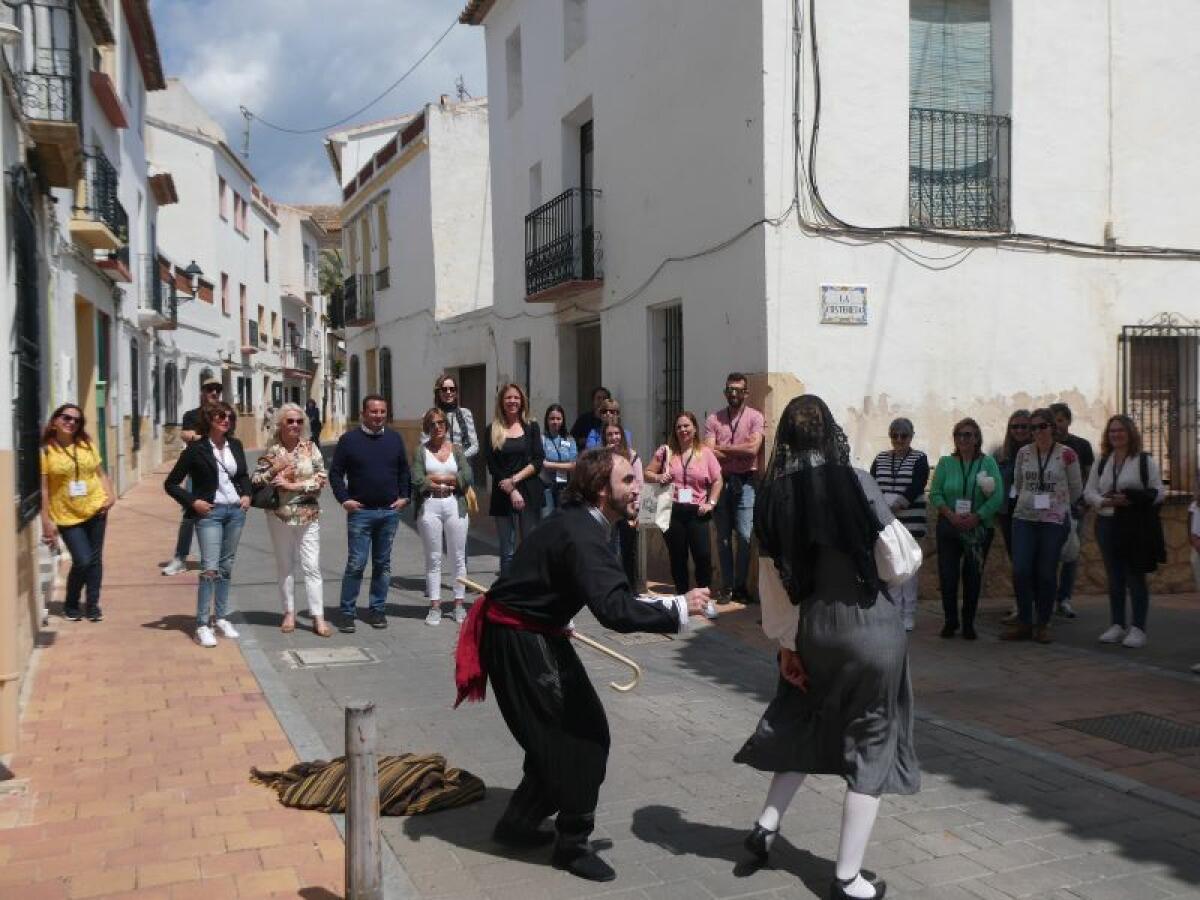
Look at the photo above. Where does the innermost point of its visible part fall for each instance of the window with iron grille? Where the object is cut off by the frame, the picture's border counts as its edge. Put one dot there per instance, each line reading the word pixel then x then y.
pixel 135 395
pixel 171 393
pixel 1158 379
pixel 27 404
pixel 385 377
pixel 355 388
pixel 667 368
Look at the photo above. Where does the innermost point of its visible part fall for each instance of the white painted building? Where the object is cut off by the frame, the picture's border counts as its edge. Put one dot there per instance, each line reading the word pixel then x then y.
pixel 304 331
pixel 233 326
pixel 417 244
pixel 996 180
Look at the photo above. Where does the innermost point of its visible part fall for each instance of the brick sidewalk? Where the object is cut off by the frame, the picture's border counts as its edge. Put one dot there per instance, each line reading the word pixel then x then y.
pixel 131 779
pixel 1024 690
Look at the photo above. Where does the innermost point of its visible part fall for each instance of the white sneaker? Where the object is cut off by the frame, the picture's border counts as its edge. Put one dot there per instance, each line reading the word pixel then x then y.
pixel 226 628
pixel 434 616
pixel 1136 638
pixel 710 611
pixel 205 636
pixel 1114 635
pixel 460 613
pixel 176 566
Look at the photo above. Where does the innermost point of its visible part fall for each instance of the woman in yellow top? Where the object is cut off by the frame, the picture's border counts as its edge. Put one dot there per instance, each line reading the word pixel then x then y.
pixel 76 497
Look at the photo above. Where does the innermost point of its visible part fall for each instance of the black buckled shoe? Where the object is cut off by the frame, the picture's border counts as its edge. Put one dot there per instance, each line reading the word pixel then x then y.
pixel 759 842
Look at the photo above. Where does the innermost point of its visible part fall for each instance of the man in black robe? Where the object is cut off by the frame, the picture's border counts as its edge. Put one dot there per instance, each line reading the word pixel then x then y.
pixel 518 637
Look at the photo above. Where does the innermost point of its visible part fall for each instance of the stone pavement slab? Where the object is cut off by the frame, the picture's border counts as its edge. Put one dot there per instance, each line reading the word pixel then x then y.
pixel 993 820
pixel 131 778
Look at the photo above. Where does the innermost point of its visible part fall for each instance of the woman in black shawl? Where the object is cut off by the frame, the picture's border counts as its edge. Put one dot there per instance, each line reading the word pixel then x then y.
pixel 844 701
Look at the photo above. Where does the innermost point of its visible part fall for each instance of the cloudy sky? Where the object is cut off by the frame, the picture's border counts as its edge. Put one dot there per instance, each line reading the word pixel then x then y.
pixel 307 63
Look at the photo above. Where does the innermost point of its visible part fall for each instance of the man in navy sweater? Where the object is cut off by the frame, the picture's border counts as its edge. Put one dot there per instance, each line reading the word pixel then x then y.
pixel 372 458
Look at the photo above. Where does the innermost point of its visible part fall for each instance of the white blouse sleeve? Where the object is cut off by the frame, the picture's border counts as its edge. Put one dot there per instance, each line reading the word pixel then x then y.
pixel 780 617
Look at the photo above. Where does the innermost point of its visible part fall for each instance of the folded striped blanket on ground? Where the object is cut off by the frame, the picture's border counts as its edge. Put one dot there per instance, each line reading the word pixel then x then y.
pixel 409 784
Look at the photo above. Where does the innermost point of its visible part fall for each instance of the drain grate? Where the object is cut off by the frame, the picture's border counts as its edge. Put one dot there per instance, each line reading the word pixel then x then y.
pixel 1141 731
pixel 332 656
pixel 637 637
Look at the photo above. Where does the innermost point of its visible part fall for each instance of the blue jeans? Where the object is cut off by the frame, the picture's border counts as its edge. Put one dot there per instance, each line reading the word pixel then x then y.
pixel 734 520
pixel 85 543
pixel 1120 578
pixel 369 532
pixel 218 534
pixel 1068 571
pixel 1036 549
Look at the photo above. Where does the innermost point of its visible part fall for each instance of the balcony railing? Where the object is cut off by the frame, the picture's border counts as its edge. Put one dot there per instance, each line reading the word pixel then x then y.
pixel 958 174
pixel 250 344
pixel 299 360
pixel 46 62
pixel 383 279
pixel 562 244
pixel 358 301
pixel 159 307
pixel 97 202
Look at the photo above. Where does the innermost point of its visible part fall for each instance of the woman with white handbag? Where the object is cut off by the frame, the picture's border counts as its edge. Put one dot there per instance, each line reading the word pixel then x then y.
pixel 832 552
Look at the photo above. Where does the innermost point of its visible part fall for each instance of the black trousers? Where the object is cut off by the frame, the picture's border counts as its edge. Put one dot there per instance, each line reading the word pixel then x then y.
pixel 550 707
pixel 689 531
pixel 954 560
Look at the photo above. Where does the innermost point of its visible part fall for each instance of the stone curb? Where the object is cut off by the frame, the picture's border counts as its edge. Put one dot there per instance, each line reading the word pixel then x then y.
pixel 309 746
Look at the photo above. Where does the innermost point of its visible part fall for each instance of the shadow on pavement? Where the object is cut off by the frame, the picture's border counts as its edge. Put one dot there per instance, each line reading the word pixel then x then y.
pixel 665 826
pixel 181 623
pixel 988 789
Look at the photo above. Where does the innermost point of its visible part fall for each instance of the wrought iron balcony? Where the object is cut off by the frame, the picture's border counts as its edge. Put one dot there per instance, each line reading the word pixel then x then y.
pixel 99 220
pixel 159 306
pixel 563 254
pixel 958 174
pixel 358 301
pixel 298 362
pixel 46 69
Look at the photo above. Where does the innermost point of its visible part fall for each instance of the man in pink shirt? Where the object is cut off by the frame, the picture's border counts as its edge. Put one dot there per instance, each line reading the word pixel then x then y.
pixel 735 435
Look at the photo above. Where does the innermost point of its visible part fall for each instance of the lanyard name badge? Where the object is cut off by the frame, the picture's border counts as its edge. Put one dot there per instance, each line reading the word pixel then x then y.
pixel 559 475
pixel 1041 500
pixel 76 487
pixel 962 505
pixel 685 494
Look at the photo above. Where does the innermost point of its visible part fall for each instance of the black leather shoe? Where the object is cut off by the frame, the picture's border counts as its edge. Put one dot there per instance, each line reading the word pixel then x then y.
pixel 516 836
pixel 582 864
pixel 969 633
pixel 837 889
pixel 759 841
pixel 94 614
pixel 72 613
pixel 948 630
pixel 346 625
pixel 377 620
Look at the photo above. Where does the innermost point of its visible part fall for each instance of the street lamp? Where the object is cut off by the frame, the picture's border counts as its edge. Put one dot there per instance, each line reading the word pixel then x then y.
pixel 193 272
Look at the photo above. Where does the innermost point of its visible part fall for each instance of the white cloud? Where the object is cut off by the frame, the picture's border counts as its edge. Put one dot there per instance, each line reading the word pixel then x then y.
pixel 307 63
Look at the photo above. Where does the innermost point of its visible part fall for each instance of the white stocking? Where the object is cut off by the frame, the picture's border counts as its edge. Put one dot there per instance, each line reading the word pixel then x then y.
pixel 858 819
pixel 783 788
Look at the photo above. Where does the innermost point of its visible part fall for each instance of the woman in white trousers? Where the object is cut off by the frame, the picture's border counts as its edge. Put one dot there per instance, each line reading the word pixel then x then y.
pixel 441 477
pixel 297 470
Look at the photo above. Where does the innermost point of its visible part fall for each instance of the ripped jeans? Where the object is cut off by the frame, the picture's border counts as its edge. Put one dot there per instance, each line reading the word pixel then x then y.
pixel 218 534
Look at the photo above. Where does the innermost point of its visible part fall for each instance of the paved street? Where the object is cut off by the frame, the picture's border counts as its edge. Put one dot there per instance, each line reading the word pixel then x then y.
pixel 136 746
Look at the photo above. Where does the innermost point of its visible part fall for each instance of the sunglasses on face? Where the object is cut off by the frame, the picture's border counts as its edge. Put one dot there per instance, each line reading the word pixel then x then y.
pixel 294 421
pixel 438 423
pixel 449 389
pixel 610 412
pixel 70 420
pixel 1040 426
pixel 735 390
pixel 1020 427
pixel 220 417
pixel 213 389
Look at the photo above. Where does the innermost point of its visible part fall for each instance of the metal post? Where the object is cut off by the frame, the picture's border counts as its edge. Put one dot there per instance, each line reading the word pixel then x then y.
pixel 364 861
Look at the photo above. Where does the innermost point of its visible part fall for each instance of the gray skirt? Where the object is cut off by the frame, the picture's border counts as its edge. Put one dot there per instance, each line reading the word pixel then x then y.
pixel 855 719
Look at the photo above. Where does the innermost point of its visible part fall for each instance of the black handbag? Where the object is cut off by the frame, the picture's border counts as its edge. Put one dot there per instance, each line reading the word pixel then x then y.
pixel 265 497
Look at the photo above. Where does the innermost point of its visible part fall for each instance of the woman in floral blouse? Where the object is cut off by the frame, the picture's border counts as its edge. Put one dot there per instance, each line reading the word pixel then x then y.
pixel 297 470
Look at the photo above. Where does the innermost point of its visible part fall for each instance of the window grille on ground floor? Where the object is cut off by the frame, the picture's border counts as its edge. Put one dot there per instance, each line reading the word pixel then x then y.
pixel 668 368
pixel 27 402
pixel 1159 390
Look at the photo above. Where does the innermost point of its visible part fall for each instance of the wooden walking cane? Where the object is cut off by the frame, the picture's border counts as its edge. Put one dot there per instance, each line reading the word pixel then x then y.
pixel 584 639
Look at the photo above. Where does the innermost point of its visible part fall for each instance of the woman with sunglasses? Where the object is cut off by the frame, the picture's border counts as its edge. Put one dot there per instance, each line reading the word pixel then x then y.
pixel 76 497
pixel 441 478
pixel 610 411
pixel 460 422
pixel 296 469
pixel 217 501
pixel 902 474
pixel 966 494
pixel 1049 483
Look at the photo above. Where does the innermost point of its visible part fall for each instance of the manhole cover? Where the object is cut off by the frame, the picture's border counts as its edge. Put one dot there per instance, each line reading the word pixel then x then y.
pixel 1140 731
pixel 638 637
pixel 332 656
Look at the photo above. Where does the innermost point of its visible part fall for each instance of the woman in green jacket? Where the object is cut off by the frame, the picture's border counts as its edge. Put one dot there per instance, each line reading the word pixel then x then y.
pixel 966 494
pixel 441 477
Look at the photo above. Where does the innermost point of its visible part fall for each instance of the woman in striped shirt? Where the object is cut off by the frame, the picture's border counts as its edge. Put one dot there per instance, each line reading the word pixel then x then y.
pixel 902 474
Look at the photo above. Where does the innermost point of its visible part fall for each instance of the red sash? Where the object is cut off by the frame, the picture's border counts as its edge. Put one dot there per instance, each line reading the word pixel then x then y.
pixel 470 673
